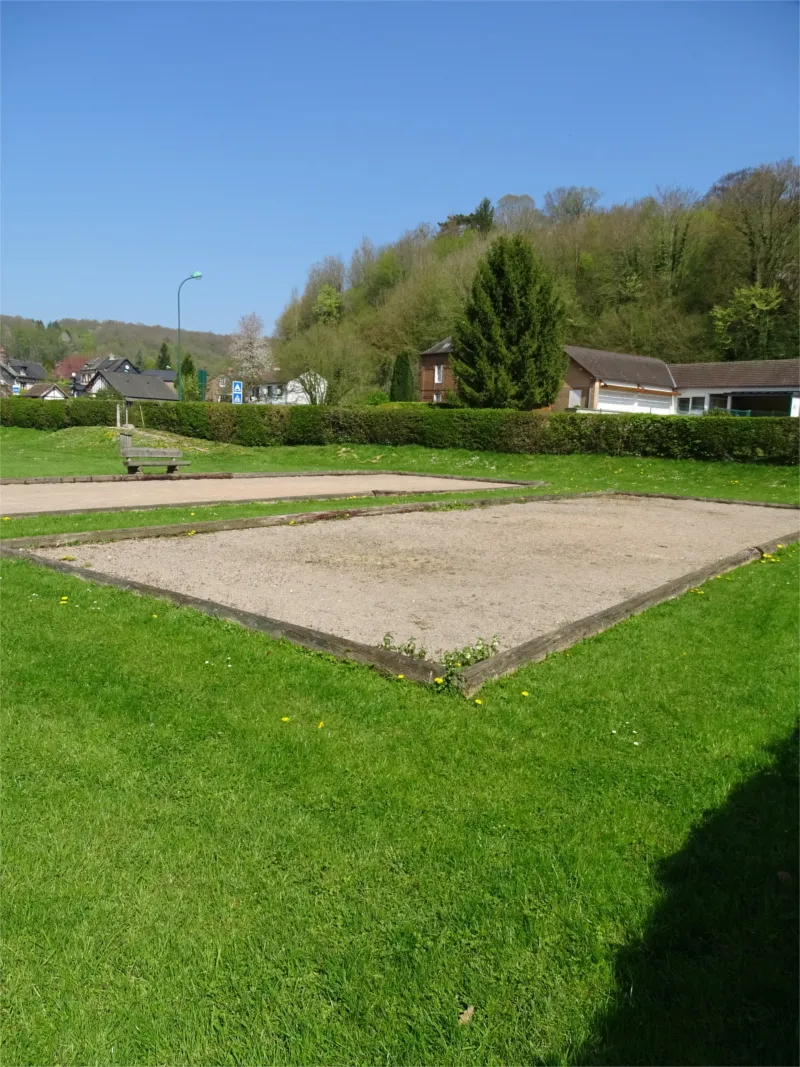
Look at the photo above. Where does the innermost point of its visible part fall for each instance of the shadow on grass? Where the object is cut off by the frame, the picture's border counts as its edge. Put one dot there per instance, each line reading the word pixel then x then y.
pixel 715 978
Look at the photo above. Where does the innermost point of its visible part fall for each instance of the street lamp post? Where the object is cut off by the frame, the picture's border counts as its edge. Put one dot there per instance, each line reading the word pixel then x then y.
pixel 195 275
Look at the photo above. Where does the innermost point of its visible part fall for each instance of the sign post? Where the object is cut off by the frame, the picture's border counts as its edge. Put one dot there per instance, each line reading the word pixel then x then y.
pixel 236 392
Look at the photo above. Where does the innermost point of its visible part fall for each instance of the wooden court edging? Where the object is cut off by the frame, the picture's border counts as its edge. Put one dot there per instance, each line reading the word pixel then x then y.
pixel 705 499
pixel 298 518
pixel 222 475
pixel 363 495
pixel 565 636
pixel 384 660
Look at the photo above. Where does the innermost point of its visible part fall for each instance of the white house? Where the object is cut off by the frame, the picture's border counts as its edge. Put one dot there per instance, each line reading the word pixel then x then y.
pixel 277 388
pixel 46 391
pixel 757 387
pixel 615 382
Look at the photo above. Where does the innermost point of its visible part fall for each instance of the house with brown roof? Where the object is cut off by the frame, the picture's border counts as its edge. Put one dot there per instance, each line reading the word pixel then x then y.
pixel 751 387
pixel 594 380
pixel 618 382
pixel 46 391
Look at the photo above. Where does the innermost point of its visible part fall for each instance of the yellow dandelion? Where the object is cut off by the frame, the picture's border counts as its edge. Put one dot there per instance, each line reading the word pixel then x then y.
pixel 780 546
pixel 400 676
pixel 439 681
pixel 320 725
pixel 6 518
pixel 285 718
pixel 191 533
pixel 155 616
pixel 292 523
pixel 478 701
pixel 525 693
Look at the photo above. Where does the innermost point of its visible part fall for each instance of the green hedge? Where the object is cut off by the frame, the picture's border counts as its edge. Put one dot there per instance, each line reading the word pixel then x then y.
pixel 773 440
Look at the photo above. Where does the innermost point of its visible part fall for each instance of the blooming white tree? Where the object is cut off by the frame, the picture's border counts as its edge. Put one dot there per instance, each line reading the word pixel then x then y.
pixel 250 350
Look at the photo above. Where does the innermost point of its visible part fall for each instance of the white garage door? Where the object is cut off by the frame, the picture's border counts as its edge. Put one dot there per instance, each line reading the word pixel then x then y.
pixel 639 403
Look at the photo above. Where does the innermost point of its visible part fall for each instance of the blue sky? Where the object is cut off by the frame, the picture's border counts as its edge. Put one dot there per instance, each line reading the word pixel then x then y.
pixel 142 141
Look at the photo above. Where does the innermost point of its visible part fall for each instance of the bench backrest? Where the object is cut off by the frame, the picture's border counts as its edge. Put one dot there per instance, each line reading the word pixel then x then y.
pixel 156 453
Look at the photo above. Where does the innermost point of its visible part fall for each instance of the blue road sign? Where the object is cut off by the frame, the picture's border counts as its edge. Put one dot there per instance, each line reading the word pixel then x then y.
pixel 15 389
pixel 236 392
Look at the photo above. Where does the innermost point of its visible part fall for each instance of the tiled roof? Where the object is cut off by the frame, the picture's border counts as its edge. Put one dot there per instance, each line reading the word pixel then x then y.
pixel 748 374
pixel 28 369
pixel 164 375
pixel 43 387
pixel 621 367
pixel 443 348
pixel 137 386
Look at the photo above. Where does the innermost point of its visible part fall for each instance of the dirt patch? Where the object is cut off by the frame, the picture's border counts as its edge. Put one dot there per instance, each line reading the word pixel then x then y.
pixel 446 578
pixel 80 496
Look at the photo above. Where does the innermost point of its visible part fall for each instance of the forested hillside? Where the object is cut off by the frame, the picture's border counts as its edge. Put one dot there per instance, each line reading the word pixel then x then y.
pixel 28 339
pixel 678 275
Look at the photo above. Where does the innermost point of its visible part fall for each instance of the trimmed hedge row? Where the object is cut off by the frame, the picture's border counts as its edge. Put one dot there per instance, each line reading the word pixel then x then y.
pixel 746 440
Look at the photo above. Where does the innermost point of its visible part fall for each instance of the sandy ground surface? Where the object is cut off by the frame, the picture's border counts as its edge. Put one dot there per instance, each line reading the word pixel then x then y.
pixel 78 496
pixel 447 578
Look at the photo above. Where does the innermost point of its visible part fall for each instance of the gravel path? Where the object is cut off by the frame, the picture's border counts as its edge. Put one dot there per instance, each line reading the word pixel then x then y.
pixel 81 496
pixel 447 578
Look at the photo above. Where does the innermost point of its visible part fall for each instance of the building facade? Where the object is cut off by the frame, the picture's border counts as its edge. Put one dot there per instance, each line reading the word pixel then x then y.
pixel 618 382
pixel 435 375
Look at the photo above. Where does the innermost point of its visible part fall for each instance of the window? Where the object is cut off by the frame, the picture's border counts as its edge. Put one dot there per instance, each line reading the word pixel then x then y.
pixel 437 398
pixel 438 374
pixel 578 398
pixel 718 400
pixel 691 405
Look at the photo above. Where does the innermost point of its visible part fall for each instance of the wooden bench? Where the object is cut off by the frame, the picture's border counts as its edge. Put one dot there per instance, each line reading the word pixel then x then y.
pixel 136 458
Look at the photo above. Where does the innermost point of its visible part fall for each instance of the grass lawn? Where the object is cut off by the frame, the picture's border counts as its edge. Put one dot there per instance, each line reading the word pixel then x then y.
pixel 94 450
pixel 221 849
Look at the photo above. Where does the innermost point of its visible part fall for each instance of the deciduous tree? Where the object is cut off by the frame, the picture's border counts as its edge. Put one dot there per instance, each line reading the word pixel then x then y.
pixel 250 352
pixel 761 204
pixel 189 388
pixel 747 326
pixel 327 307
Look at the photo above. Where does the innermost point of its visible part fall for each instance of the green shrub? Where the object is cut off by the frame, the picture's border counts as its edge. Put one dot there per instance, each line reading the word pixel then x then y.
pixel 375 398
pixel 746 440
